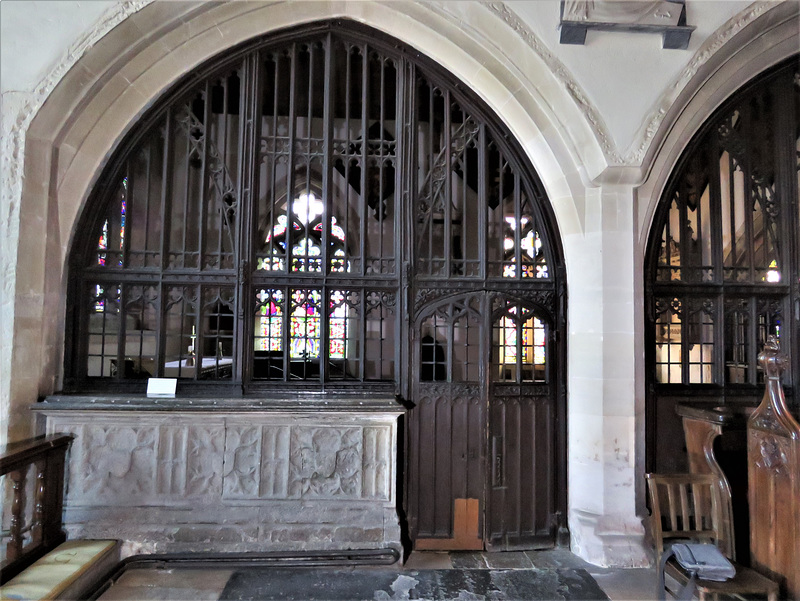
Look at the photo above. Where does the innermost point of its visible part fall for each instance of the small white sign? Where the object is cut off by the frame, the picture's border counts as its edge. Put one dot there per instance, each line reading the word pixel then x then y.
pixel 161 387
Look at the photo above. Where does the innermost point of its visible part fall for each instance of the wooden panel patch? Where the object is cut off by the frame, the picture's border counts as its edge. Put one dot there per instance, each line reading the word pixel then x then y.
pixel 466 530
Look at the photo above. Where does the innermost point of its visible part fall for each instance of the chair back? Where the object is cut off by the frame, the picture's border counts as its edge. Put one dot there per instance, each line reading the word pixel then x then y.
pixel 685 506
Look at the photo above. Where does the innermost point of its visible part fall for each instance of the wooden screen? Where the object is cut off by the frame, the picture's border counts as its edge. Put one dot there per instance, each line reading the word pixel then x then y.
pixel 723 263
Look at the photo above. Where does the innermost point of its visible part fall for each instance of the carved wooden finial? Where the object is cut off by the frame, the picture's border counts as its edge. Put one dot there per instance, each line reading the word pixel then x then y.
pixel 771 359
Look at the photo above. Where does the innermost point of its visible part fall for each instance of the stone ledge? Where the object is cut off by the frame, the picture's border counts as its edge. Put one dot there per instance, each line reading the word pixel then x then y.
pixel 304 401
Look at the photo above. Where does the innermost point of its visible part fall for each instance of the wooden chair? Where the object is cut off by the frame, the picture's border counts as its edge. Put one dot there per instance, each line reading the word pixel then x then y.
pixel 688 507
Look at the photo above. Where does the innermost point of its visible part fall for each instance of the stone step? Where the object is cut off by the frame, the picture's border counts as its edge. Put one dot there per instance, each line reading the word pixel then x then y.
pixel 67 572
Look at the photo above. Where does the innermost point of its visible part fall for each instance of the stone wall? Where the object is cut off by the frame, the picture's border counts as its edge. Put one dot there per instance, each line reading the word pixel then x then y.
pixel 176 480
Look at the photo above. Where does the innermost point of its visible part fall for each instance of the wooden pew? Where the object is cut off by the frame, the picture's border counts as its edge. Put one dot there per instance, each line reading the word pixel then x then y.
pixel 773 461
pixel 38 563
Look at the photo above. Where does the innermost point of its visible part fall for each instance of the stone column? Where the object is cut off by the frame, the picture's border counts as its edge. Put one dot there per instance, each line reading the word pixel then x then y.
pixel 602 406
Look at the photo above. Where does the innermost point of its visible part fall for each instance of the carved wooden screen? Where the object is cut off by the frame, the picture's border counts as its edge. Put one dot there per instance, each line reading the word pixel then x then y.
pixel 281 219
pixel 723 265
pixel 480 237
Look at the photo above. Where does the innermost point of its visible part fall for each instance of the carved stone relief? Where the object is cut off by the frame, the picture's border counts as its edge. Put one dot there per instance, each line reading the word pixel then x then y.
pixel 242 455
pixel 308 462
pixel 204 460
pixel 325 462
pixel 169 482
pixel 118 462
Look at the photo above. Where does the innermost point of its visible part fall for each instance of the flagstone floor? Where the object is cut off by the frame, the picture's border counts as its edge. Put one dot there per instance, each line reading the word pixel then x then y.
pixel 208 584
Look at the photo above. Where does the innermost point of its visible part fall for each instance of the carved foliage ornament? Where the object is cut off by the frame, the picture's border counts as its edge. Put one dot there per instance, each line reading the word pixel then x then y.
pixel 773 455
pixel 325 462
pixel 118 461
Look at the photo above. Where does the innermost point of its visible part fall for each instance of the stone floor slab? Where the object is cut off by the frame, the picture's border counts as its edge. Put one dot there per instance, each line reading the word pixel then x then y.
pixel 313 584
pixel 467 560
pixel 513 560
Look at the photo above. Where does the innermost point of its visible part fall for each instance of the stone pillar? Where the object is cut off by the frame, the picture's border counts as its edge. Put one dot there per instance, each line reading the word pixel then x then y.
pixel 602 405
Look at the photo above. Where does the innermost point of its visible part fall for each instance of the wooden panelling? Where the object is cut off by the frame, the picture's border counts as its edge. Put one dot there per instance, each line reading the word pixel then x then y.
pixel 521 495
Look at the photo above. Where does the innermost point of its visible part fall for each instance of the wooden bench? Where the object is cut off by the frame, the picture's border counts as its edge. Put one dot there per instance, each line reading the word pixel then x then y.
pixel 38 563
pixel 773 462
pixel 688 507
pixel 67 572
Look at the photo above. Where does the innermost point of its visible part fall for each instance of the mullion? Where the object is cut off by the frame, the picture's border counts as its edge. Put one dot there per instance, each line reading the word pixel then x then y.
pixel 148 158
pixel 125 240
pixel 683 221
pixel 361 356
pixel 380 166
pixel 327 166
pixel 448 154
pixel 748 191
pixel 272 166
pixel 450 339
pixel 248 173
pixel 121 333
pixel 381 326
pixel 752 341
pixel 346 138
pixel 364 144
pixel 309 158
pixel 712 152
pixel 286 324
pixel 429 251
pixel 732 202
pixel 501 203
pixel 517 229
pixel 166 221
pixel 186 179
pixel 204 201
pixel 327 162
pixel 483 202
pixel 223 135
pixel 668 236
pixel 291 158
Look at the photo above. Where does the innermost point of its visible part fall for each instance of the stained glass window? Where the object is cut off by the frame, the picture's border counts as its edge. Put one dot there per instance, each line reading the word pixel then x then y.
pixel 520 346
pixel 270 321
pixel 304 324
pixel 305 314
pixel 531 253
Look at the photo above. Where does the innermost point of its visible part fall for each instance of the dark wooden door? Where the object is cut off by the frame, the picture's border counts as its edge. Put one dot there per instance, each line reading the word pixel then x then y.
pixel 521 499
pixel 447 427
pixel 522 466
pixel 482 461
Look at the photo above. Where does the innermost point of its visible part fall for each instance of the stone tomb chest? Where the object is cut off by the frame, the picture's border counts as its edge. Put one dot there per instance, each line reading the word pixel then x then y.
pixel 202 475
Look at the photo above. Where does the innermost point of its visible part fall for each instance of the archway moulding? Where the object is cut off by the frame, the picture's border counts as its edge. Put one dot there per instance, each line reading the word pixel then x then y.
pixel 71 123
pixel 159 42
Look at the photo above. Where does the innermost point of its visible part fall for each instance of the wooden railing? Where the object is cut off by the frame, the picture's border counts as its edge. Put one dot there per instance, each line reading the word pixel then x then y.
pixel 34 524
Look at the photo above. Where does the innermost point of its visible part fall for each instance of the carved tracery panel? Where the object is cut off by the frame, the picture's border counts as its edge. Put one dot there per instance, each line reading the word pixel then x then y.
pixel 260 226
